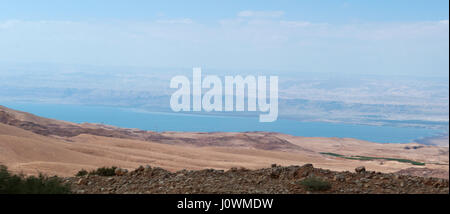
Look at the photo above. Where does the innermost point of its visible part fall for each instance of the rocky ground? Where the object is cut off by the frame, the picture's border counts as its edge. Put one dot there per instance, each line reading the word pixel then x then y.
pixel 274 180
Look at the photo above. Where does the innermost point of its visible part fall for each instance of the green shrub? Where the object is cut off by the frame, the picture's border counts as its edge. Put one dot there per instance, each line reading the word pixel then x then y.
pixel 315 184
pixel 19 184
pixel 104 171
pixel 82 172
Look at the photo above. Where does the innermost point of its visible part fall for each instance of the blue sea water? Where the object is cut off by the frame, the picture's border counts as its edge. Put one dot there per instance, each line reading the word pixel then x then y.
pixel 130 118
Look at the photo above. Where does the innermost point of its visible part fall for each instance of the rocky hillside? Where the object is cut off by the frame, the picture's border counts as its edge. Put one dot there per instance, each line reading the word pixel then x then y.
pixel 277 179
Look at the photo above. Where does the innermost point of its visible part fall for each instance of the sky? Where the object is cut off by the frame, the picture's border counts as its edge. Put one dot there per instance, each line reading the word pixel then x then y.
pixel 374 37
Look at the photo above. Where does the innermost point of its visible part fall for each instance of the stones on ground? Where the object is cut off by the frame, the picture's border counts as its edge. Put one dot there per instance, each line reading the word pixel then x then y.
pixel 339 177
pixel 308 165
pixel 140 169
pixel 360 169
pixel 304 171
pixel 82 181
pixel 311 175
pixel 120 171
pixel 157 180
pixel 364 180
pixel 275 173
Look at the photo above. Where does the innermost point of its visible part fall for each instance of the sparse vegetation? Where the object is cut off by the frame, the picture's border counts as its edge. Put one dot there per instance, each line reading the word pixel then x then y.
pixel 315 184
pixel 104 171
pixel 82 172
pixel 19 184
pixel 365 158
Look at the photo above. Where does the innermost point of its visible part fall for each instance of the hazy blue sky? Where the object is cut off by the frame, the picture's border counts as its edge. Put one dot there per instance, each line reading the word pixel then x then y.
pixel 385 37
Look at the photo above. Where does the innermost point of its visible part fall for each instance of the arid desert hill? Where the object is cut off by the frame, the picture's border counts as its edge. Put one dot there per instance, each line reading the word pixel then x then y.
pixel 32 144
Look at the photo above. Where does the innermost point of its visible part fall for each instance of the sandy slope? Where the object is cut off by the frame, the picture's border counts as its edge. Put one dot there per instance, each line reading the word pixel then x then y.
pixel 24 151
